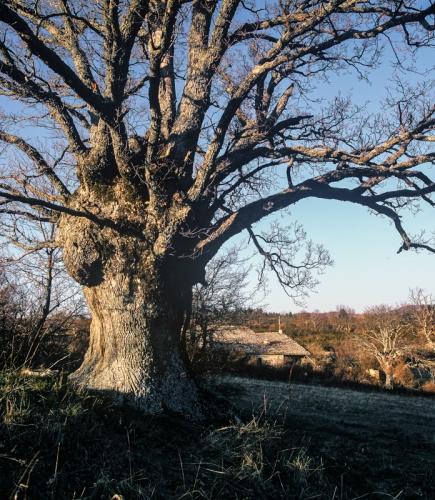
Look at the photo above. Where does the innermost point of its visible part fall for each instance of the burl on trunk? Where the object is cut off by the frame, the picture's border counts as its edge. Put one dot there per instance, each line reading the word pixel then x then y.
pixel 138 301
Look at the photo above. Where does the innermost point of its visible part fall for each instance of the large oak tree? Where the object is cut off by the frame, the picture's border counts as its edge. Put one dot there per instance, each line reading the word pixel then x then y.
pixel 170 127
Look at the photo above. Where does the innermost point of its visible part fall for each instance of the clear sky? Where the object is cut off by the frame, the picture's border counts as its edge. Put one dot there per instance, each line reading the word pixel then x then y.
pixel 367 269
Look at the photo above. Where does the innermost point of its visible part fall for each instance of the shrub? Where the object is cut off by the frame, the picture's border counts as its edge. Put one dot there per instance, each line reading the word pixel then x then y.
pixel 403 375
pixel 429 386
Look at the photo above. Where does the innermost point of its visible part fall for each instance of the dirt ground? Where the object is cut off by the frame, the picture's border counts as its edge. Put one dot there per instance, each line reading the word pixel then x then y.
pixel 375 441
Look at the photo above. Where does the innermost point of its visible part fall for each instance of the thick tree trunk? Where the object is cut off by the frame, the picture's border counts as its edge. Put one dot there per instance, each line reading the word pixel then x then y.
pixel 134 351
pixel 138 304
pixel 388 380
pixel 388 371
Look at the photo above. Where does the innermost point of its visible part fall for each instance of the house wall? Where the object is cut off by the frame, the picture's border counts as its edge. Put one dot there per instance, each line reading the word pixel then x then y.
pixel 274 359
pixel 292 359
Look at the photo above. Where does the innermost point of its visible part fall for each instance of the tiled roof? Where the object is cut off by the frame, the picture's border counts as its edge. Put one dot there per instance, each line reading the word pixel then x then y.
pixel 234 337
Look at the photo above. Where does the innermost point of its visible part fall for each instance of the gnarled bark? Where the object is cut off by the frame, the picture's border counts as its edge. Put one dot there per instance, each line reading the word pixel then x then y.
pixel 134 349
pixel 138 302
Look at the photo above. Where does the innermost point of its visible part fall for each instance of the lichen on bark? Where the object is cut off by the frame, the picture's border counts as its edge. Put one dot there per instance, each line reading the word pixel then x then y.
pixel 137 300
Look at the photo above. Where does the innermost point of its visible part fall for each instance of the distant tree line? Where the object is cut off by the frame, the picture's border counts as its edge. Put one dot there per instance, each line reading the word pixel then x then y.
pixel 384 344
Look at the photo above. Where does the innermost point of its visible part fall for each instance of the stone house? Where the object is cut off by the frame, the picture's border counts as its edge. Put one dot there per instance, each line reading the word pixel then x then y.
pixel 270 348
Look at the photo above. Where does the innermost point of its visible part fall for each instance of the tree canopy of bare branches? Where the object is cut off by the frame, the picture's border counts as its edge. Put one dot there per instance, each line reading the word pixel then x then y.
pixel 153 132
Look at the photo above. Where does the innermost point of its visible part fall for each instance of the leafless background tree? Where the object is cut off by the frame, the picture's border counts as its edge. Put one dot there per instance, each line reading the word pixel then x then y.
pixel 423 316
pixel 232 287
pixel 386 336
pixel 40 303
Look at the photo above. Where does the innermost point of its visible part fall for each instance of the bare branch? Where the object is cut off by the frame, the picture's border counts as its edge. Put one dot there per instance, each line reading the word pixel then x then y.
pixel 35 156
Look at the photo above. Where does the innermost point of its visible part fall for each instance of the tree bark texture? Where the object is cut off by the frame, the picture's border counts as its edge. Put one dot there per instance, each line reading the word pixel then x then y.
pixel 138 303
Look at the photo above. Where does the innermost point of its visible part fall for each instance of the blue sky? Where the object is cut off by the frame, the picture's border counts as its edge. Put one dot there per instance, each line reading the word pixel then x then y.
pixel 367 268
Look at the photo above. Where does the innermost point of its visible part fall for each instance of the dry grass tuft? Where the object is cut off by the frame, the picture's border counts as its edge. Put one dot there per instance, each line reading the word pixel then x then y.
pixel 429 386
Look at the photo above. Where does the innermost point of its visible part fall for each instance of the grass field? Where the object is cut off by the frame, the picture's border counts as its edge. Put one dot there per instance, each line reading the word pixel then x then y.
pixel 377 442
pixel 297 442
